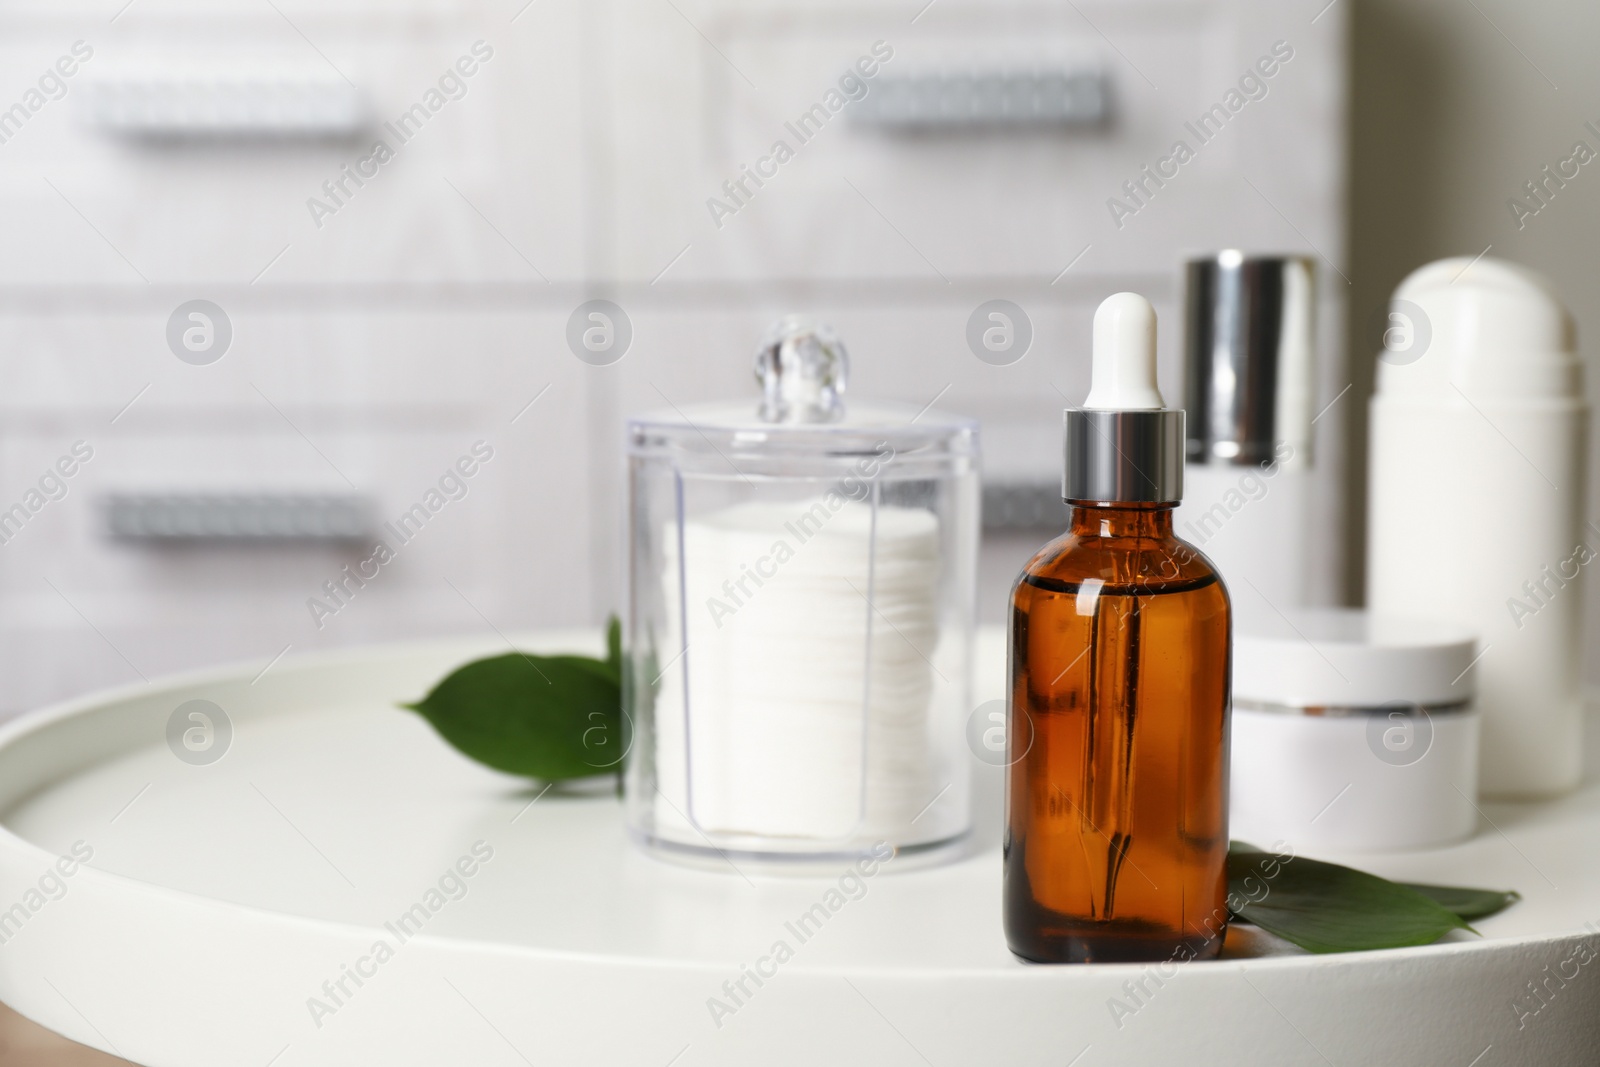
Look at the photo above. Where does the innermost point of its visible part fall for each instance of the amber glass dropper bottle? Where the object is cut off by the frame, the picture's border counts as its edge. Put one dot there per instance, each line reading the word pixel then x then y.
pixel 1117 823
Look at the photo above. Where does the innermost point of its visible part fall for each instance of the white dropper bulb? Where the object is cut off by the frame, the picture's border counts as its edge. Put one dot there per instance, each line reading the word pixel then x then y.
pixel 1123 372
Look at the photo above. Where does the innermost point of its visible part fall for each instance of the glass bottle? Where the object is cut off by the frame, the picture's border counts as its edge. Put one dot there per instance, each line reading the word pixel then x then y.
pixel 1116 838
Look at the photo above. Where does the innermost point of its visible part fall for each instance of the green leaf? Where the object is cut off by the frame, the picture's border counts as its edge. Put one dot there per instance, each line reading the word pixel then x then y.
pixel 614 647
pixel 547 717
pixel 1469 904
pixel 1323 907
pixel 587 663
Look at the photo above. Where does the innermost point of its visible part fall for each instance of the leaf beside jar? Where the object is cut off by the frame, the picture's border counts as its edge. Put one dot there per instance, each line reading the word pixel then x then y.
pixel 553 718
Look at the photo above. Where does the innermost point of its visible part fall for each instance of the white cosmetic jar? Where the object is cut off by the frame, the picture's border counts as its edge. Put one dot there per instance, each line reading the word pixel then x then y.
pixel 1353 732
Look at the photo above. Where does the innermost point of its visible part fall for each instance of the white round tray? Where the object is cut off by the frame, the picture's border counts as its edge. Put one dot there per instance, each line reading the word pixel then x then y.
pixel 224 903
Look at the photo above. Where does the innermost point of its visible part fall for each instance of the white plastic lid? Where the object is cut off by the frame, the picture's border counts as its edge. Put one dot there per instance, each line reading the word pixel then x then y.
pixel 1342 657
pixel 1482 328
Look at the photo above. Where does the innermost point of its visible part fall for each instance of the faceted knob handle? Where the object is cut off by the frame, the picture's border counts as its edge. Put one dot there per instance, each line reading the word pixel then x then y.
pixel 802 367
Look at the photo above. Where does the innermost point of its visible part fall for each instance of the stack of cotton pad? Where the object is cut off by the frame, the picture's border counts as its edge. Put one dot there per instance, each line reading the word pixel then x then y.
pixel 800 706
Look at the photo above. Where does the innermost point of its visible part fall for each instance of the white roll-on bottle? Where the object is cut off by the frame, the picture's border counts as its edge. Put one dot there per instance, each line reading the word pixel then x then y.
pixel 1477 480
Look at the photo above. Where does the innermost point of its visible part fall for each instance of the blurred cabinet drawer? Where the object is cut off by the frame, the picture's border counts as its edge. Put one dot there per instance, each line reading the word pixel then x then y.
pixel 483 515
pixel 236 142
pixel 748 145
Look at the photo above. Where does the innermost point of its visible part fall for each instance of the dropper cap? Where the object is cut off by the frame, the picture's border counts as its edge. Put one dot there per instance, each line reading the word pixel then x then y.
pixel 1123 445
pixel 1123 374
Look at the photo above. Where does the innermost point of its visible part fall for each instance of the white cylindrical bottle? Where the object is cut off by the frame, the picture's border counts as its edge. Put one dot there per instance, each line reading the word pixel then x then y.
pixel 1477 481
pixel 1250 367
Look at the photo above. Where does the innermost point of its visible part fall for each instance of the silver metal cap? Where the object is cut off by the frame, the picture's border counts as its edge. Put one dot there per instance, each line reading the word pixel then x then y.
pixel 1124 456
pixel 1249 358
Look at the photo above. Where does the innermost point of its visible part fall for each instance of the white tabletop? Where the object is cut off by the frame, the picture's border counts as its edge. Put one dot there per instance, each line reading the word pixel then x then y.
pixel 220 898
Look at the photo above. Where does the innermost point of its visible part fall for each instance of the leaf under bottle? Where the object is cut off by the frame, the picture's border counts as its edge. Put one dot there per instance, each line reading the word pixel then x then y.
pixel 1325 907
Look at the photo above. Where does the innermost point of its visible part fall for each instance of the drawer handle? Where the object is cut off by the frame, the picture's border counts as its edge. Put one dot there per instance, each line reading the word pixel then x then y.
pixel 205 109
pixel 1017 506
pixel 985 100
pixel 188 518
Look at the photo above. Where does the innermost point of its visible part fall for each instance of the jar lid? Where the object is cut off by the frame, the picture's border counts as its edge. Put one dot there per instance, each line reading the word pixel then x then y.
pixel 803 369
pixel 1334 658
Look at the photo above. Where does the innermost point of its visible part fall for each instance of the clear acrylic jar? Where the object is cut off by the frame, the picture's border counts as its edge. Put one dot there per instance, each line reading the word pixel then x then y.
pixel 800 619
